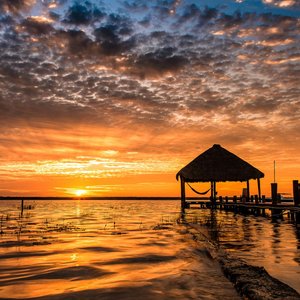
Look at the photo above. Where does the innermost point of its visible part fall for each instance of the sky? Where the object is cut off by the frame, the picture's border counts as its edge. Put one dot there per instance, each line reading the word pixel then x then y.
pixel 113 98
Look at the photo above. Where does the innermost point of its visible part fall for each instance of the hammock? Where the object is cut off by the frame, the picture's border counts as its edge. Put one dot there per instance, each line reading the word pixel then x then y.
pixel 199 193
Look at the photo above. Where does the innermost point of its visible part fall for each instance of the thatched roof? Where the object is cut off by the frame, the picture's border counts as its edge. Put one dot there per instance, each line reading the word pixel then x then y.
pixel 218 164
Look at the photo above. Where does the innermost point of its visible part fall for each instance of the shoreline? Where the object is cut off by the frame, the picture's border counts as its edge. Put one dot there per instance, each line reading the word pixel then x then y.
pixel 251 282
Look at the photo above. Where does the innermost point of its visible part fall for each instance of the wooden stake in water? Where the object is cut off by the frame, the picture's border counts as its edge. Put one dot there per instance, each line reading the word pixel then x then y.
pixel 22 207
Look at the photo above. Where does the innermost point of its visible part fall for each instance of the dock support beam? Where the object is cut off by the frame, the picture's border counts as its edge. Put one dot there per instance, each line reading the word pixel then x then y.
pixel 182 185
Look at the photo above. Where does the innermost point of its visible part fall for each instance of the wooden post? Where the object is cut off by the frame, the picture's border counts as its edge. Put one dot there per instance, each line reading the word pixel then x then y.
pixel 22 207
pixel 182 184
pixel 297 218
pixel 235 206
pixel 248 190
pixel 215 192
pixel 211 190
pixel 274 193
pixel 221 201
pixel 296 193
pixel 258 189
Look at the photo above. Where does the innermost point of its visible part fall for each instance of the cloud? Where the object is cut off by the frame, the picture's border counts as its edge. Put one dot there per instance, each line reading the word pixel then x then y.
pixel 283 3
pixel 15 6
pixel 83 13
pixel 136 6
pixel 159 62
pixel 37 25
pixel 110 42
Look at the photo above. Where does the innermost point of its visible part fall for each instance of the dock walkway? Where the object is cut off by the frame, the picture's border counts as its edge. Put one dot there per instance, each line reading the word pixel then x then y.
pixel 275 206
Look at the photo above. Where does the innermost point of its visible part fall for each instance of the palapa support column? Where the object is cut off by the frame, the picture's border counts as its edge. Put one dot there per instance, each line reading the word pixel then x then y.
pixel 258 189
pixel 212 194
pixel 211 190
pixel 215 192
pixel 182 185
pixel 248 190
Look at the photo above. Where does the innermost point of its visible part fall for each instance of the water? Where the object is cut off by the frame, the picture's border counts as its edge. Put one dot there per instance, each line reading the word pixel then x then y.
pixel 273 245
pixel 104 250
pixel 88 249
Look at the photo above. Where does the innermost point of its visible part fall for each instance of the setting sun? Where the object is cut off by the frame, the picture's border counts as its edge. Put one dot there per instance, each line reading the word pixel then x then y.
pixel 80 192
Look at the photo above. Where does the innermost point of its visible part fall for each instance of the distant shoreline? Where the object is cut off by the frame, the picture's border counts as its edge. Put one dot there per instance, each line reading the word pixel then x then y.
pixel 88 198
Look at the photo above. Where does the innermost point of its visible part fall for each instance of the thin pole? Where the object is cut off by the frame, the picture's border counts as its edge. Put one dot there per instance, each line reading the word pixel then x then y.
pixel 22 207
pixel 182 193
pixel 274 171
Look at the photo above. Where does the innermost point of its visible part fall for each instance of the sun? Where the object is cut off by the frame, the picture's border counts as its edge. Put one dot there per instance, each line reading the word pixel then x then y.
pixel 79 193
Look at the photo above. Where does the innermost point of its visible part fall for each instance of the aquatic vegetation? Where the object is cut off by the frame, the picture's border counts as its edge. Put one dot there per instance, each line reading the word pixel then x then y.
pixel 64 227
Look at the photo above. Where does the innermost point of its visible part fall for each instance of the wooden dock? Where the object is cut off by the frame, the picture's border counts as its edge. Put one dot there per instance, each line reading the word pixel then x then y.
pixel 273 206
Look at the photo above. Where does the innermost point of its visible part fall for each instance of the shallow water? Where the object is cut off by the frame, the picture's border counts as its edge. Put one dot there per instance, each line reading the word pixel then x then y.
pixel 84 249
pixel 258 240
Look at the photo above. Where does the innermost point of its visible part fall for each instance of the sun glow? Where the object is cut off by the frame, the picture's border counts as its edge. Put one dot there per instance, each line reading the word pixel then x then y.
pixel 79 193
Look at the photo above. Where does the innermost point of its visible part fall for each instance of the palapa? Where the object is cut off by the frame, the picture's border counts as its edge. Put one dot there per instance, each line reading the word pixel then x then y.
pixel 218 164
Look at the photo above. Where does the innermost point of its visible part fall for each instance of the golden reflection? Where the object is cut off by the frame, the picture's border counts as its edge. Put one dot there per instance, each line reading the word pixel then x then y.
pixel 78 210
pixel 74 257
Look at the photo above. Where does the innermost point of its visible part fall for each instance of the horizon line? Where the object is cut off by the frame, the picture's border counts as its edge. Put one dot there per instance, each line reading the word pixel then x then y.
pixel 91 197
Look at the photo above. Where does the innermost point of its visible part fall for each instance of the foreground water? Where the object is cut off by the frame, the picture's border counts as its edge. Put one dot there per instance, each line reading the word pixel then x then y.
pixel 85 249
pixel 273 244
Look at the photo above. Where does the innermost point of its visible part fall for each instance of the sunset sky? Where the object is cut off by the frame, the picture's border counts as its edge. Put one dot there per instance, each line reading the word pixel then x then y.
pixel 115 97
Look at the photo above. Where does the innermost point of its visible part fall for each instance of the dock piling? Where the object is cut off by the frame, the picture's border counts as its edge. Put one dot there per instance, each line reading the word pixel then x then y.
pixel 274 193
pixel 296 193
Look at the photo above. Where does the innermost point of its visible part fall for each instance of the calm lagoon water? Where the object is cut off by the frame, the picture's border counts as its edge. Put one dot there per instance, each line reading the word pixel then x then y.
pixel 258 240
pixel 89 249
